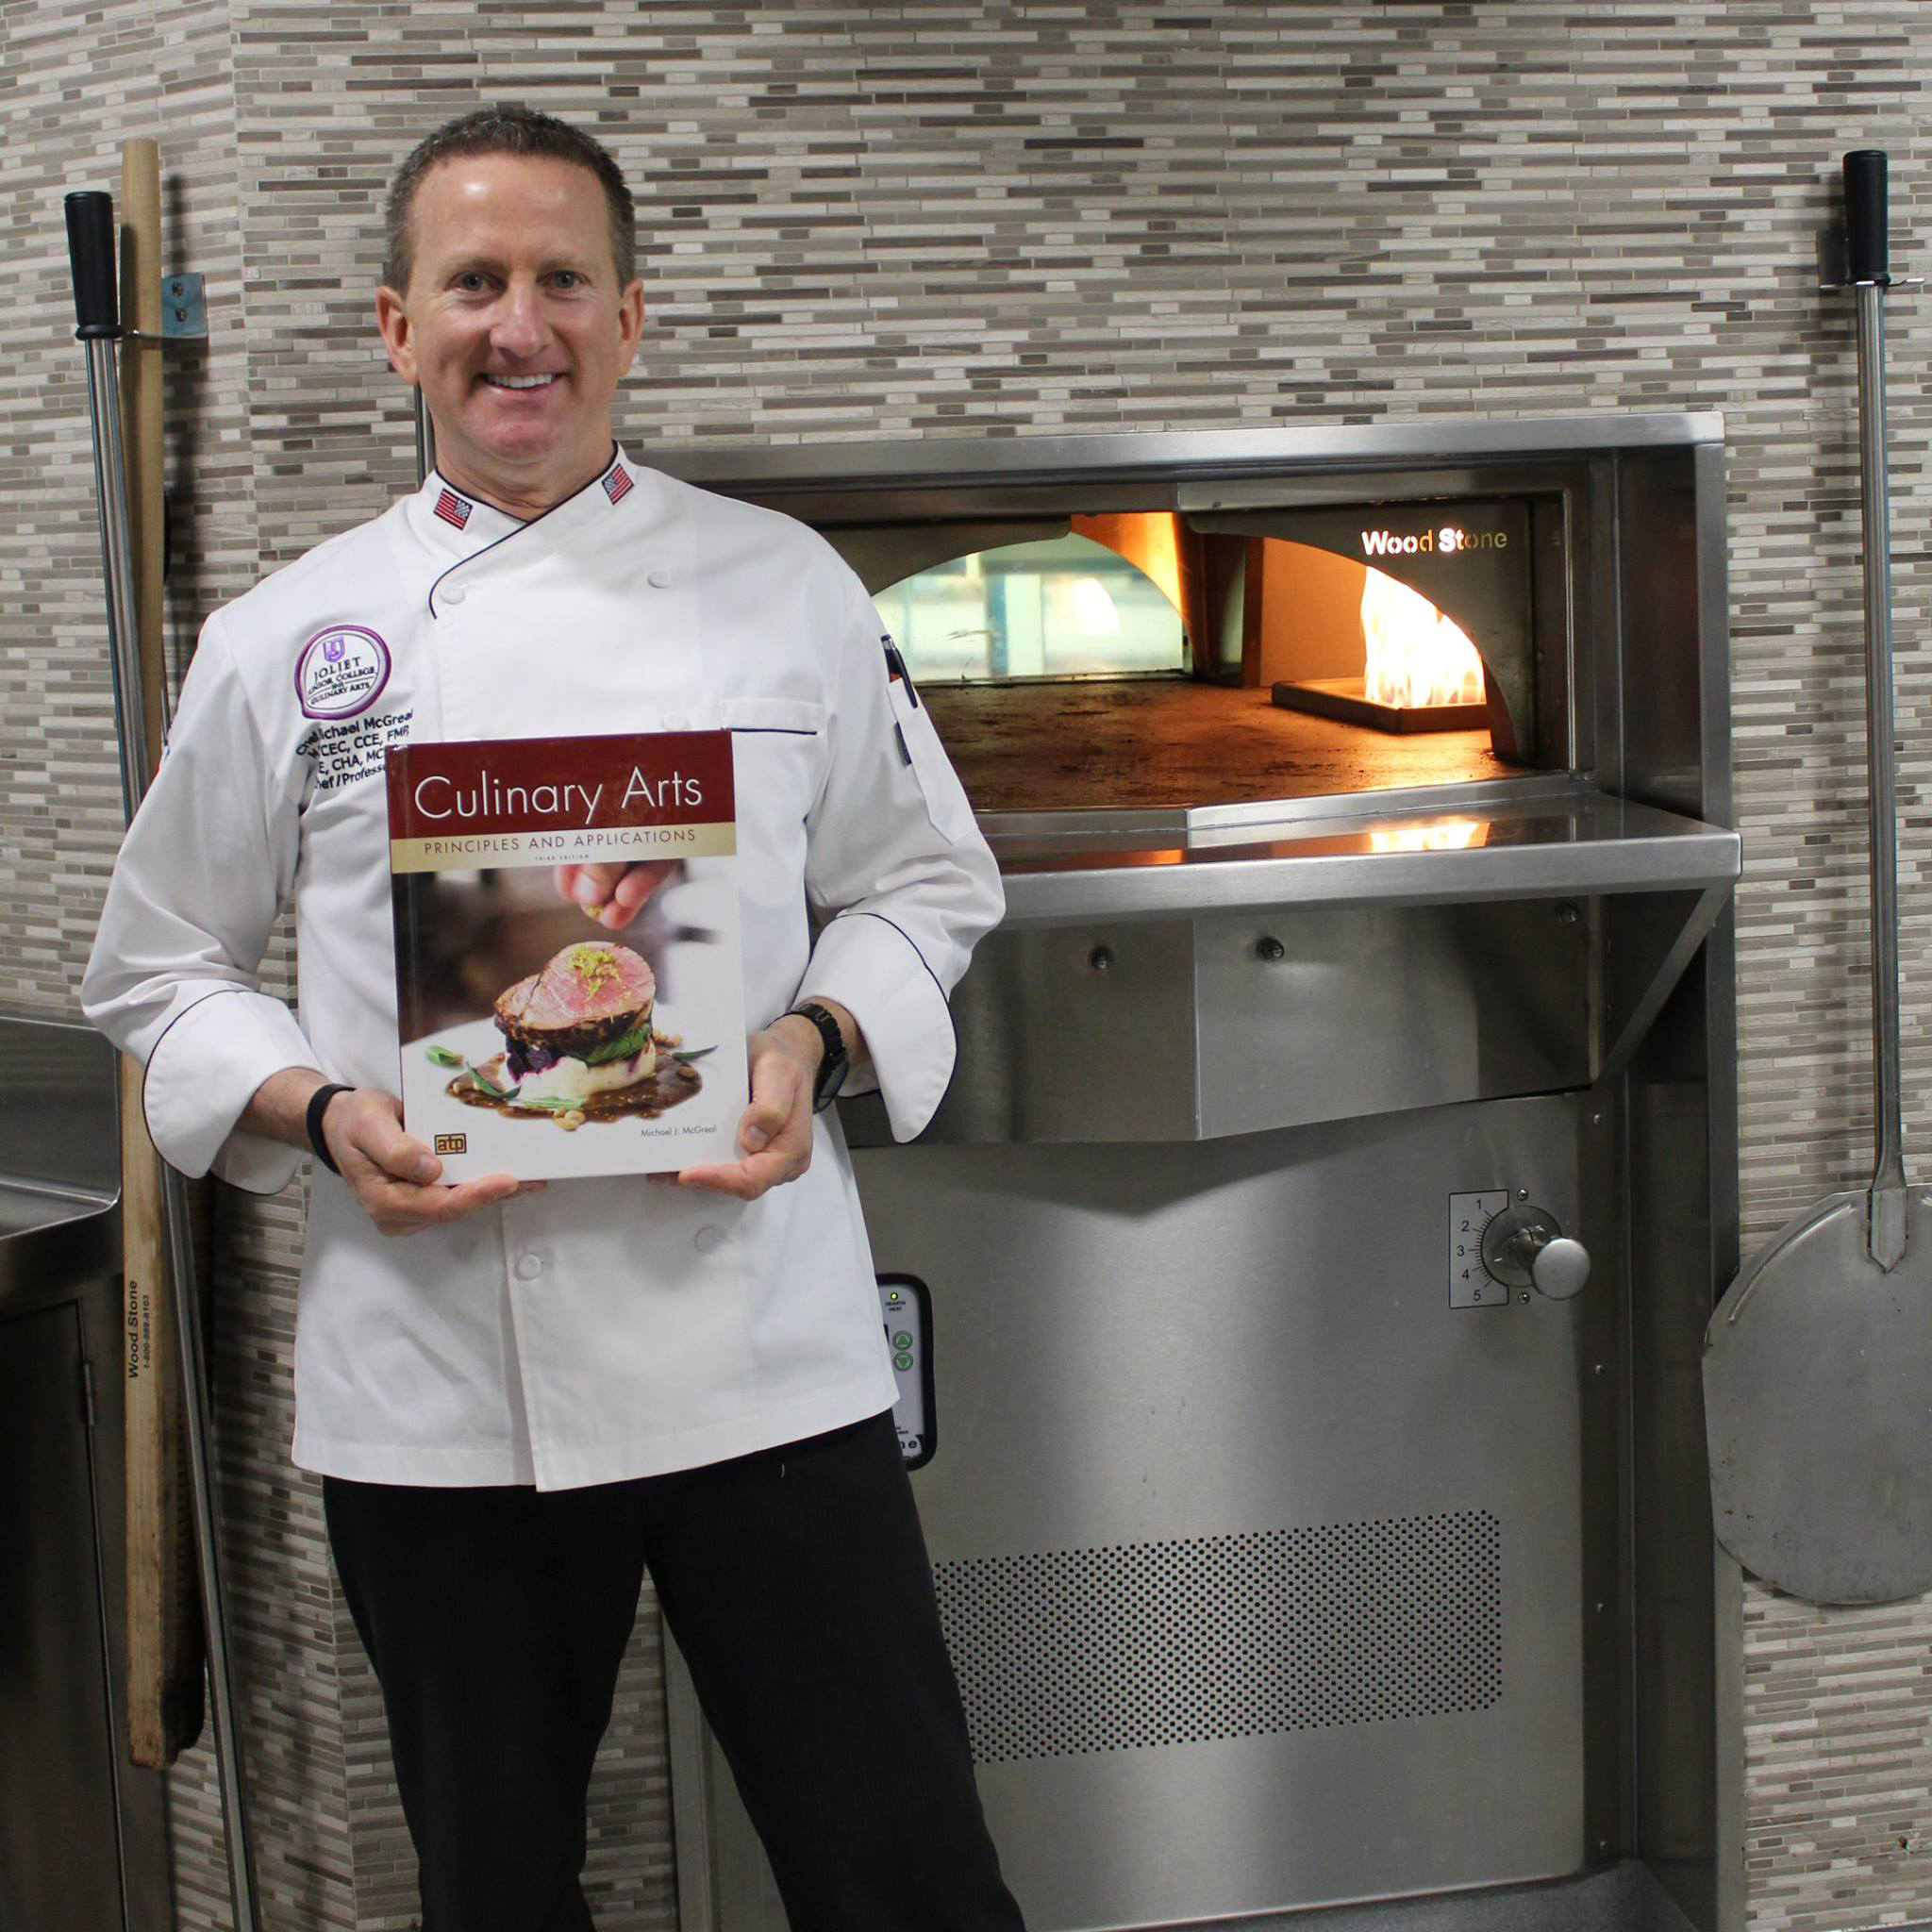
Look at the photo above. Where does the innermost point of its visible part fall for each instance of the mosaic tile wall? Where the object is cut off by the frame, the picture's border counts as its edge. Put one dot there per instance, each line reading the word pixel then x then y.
pixel 973 219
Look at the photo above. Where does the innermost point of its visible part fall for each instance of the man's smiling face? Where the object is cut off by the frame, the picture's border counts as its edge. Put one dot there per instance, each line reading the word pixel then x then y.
pixel 513 325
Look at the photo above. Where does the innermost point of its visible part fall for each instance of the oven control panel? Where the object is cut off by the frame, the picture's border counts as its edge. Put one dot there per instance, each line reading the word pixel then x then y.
pixel 1502 1246
pixel 906 1308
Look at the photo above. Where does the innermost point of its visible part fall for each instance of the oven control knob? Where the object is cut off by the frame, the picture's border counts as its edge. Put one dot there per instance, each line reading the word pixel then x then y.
pixel 1560 1268
pixel 1524 1247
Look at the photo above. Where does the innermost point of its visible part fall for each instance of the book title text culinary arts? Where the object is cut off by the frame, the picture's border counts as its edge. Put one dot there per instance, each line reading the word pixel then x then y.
pixel 441 797
pixel 573 801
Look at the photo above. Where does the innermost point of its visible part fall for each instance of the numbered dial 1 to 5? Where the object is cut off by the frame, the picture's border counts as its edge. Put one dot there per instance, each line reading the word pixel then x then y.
pixel 1497 1246
pixel 1472 1285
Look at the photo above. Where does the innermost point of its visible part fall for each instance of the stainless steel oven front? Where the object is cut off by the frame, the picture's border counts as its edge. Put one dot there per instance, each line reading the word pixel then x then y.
pixel 1298 1295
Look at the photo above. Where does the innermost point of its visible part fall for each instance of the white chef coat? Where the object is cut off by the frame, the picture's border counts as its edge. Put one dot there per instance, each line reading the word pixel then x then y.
pixel 599 1329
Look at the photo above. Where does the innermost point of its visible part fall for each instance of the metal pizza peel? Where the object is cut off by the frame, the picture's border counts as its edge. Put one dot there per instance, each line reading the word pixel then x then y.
pixel 1818 1361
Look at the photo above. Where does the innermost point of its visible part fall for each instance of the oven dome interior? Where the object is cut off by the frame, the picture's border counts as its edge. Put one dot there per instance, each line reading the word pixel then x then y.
pixel 1126 659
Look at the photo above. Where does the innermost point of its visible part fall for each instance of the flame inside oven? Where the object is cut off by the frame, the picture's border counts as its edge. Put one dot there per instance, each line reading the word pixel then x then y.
pixel 1416 655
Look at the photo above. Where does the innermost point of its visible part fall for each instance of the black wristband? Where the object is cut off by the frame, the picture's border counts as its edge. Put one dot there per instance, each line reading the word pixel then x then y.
pixel 318 1105
pixel 833 1066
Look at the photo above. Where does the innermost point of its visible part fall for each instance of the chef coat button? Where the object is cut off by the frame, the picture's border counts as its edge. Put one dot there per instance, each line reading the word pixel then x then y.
pixel 528 1268
pixel 660 581
pixel 707 1240
pixel 455 595
pixel 676 721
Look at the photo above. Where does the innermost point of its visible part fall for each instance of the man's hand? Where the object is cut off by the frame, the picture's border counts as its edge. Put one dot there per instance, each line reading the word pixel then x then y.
pixel 776 1130
pixel 613 895
pixel 395 1178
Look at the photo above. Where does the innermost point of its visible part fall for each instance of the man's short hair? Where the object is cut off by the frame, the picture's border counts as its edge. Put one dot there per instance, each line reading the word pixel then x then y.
pixel 506 130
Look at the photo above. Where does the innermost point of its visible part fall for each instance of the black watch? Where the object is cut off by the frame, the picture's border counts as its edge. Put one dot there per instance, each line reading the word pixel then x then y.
pixel 836 1062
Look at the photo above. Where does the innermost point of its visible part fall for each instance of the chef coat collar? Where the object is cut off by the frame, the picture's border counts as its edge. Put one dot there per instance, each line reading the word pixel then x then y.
pixel 453 524
pixel 461 528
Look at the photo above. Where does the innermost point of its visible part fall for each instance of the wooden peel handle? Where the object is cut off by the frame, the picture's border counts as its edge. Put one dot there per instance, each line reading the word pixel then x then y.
pixel 165 1648
pixel 164 1637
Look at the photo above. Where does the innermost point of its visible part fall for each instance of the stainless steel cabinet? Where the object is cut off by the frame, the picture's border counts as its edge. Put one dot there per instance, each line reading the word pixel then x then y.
pixel 59 1859
pixel 82 1833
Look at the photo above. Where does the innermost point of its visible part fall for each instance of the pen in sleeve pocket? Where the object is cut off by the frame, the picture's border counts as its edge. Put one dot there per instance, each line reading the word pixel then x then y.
pixel 896 667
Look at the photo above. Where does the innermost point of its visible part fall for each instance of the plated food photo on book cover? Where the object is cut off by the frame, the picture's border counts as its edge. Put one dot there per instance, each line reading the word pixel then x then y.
pixel 578 1043
pixel 535 1041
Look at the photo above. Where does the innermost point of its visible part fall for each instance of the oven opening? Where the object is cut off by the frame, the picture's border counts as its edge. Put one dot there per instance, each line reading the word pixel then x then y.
pixel 1101 597
pixel 1164 658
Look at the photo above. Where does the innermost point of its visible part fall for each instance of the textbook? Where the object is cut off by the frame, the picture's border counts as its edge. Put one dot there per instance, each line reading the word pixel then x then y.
pixel 535 1041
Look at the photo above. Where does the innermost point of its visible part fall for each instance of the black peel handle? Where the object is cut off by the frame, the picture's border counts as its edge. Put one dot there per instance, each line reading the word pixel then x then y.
pixel 91 251
pixel 1867 255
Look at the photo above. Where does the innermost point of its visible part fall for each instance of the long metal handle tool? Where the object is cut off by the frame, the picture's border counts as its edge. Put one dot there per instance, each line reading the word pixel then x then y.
pixel 1818 1358
pixel 91 249
pixel 1868 262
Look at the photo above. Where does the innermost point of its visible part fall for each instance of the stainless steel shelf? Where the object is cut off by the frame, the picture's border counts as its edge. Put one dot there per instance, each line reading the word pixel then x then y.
pixel 60 1161
pixel 1457 846
pixel 53 1243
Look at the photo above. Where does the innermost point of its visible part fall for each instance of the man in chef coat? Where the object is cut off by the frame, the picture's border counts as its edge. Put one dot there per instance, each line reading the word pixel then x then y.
pixel 544 1391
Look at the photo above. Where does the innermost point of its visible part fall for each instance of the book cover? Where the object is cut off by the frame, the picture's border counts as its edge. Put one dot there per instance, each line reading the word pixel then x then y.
pixel 536 1041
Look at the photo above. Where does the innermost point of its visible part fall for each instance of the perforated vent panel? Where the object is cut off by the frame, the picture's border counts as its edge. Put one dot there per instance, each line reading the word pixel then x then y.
pixel 1121 1648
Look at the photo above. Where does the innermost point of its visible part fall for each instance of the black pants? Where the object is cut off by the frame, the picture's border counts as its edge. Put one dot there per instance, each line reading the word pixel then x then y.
pixel 797 1586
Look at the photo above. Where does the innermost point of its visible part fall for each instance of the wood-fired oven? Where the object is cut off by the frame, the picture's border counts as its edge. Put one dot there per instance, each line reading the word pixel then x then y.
pixel 1298 1298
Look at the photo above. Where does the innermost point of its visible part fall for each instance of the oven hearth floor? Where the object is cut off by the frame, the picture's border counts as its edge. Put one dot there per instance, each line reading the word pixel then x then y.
pixel 1626 1898
pixel 1171 743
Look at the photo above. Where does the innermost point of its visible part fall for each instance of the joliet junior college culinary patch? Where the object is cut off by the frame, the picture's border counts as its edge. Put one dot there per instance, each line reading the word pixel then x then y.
pixel 341 671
